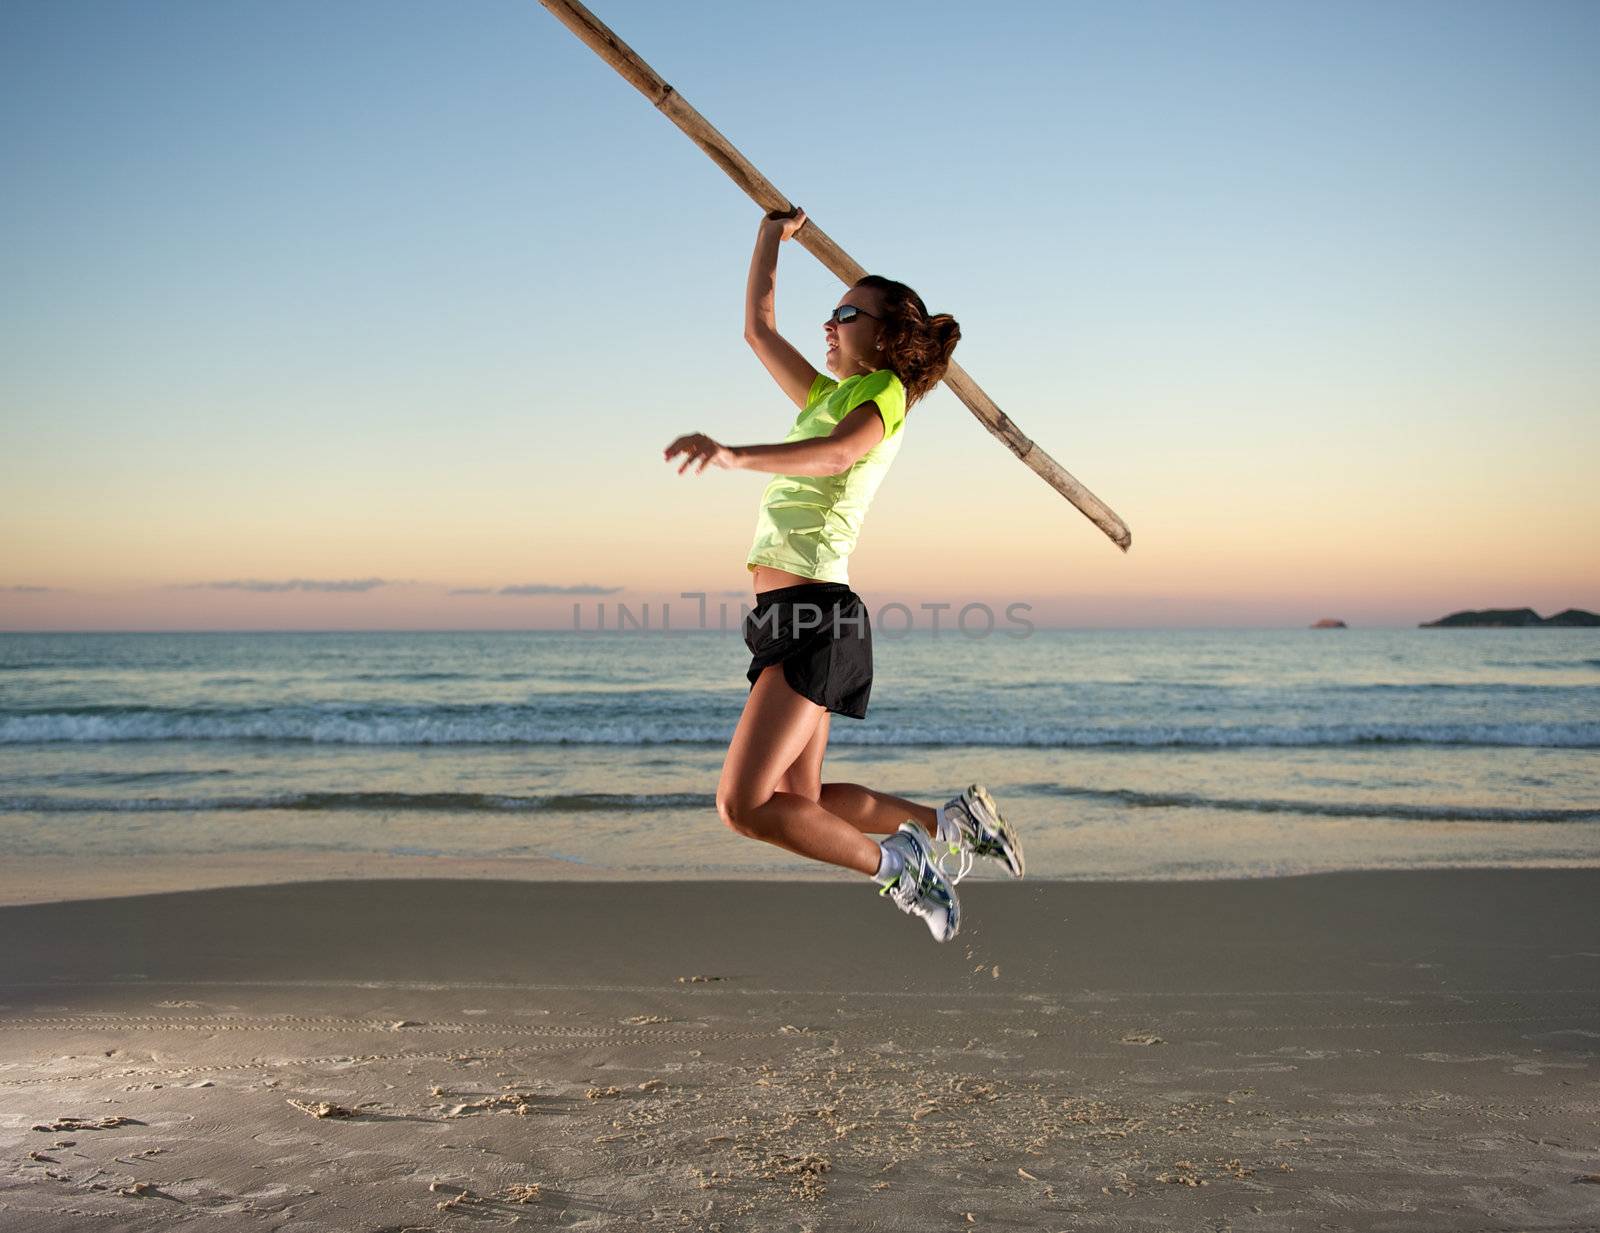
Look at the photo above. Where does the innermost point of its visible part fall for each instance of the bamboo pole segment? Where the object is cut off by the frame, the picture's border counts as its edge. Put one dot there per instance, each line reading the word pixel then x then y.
pixel 759 189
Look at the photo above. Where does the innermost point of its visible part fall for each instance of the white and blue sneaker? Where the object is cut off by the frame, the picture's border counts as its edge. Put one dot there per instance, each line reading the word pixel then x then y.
pixel 970 826
pixel 921 888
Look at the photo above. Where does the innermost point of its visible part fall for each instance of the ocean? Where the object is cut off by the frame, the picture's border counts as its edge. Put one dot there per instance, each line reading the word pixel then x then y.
pixel 1122 755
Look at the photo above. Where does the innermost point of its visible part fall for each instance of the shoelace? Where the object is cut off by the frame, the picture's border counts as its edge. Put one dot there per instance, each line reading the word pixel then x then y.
pixel 964 865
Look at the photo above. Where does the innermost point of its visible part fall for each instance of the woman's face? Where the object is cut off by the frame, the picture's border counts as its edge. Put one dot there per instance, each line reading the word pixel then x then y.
pixel 853 345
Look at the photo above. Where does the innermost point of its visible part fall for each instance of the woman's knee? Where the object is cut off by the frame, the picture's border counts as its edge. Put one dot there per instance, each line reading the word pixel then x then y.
pixel 737 809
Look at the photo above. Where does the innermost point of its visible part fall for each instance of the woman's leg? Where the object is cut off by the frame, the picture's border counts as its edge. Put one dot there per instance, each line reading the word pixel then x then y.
pixel 869 811
pixel 804 776
pixel 776 728
pixel 874 813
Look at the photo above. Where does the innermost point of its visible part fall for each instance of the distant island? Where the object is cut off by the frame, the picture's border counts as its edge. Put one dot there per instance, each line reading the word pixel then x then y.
pixel 1329 623
pixel 1511 618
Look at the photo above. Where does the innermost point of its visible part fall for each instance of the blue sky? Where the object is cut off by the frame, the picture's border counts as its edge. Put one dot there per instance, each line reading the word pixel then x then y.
pixel 310 289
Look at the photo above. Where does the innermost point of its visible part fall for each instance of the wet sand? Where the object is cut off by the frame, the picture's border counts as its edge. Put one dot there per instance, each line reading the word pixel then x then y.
pixel 1407 1051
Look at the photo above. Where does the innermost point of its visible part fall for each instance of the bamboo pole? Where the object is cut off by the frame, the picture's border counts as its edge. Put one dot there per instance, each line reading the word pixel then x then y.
pixel 759 189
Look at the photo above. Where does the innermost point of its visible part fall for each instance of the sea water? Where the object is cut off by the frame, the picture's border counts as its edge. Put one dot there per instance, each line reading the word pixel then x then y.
pixel 1151 754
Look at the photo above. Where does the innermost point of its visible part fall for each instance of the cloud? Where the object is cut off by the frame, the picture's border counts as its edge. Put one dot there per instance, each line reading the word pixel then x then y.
pixel 29 590
pixel 293 584
pixel 368 584
pixel 545 588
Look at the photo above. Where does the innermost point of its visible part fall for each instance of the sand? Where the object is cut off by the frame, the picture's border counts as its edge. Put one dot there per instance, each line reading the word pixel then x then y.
pixel 1406 1051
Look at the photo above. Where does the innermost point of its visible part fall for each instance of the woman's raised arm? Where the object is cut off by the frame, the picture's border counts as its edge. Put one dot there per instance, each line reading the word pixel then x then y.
pixel 793 373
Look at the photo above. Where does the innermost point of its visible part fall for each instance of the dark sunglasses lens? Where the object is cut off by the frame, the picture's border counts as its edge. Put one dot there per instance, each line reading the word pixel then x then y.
pixel 845 312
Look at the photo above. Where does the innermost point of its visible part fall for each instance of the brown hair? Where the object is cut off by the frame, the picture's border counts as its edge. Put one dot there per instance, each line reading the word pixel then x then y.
pixel 916 344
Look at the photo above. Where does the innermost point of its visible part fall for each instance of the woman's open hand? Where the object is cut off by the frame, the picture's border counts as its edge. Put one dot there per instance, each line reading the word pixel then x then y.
pixel 784 224
pixel 702 449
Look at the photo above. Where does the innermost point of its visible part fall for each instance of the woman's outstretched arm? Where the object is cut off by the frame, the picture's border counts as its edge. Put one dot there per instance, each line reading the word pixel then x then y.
pixel 840 450
pixel 788 367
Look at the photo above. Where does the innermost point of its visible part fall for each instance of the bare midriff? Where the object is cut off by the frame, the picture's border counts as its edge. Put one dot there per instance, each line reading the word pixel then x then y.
pixel 770 578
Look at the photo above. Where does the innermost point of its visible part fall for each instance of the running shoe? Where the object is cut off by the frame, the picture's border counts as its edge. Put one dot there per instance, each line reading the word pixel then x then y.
pixel 921 888
pixel 983 832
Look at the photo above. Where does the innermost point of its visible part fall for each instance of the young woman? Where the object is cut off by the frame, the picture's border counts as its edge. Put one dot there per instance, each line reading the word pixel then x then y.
pixel 809 637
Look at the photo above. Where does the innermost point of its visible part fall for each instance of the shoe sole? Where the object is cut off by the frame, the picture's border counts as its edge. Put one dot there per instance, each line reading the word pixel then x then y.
pixel 1010 845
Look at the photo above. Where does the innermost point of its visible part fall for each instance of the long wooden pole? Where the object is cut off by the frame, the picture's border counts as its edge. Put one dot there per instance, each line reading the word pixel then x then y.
pixel 759 189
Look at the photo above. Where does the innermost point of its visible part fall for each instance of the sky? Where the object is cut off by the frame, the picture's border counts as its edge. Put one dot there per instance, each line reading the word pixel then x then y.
pixel 379 314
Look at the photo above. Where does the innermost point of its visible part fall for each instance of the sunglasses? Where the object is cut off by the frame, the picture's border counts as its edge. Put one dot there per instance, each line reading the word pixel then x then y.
pixel 849 312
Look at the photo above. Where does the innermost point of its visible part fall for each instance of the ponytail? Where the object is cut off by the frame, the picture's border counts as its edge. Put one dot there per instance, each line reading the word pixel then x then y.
pixel 917 345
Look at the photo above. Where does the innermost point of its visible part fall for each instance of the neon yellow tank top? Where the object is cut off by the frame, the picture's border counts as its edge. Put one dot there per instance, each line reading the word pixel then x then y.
pixel 808 524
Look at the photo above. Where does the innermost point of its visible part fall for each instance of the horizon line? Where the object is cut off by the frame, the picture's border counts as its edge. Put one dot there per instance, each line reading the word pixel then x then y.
pixel 733 630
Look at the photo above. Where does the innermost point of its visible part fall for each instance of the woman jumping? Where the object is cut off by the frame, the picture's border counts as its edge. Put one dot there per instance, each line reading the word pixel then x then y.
pixel 809 637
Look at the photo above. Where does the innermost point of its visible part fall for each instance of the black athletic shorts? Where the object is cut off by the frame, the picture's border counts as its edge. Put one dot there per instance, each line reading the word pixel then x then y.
pixel 819 632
